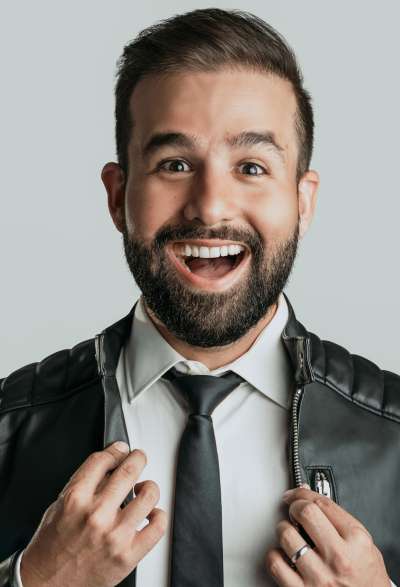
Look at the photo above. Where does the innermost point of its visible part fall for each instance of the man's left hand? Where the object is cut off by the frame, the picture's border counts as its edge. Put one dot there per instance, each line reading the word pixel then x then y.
pixel 344 555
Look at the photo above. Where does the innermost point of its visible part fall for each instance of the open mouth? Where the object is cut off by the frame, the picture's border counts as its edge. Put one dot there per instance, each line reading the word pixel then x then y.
pixel 209 273
pixel 212 268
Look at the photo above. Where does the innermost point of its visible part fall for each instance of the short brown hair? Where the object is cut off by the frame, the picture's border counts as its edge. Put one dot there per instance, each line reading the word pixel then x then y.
pixel 207 40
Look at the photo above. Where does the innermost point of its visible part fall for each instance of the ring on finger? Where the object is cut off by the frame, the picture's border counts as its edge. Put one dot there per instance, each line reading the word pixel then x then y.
pixel 299 553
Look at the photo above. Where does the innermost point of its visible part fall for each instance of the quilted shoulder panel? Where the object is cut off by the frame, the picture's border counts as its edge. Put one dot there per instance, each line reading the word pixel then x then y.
pixel 57 375
pixel 357 378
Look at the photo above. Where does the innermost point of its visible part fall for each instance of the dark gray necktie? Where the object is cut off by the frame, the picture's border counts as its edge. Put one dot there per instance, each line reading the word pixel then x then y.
pixel 196 549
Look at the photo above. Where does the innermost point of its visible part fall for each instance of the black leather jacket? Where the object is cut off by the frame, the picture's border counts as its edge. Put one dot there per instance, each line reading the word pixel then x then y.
pixel 344 432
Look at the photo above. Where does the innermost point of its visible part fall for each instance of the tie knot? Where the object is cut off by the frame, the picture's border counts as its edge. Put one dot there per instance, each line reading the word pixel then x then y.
pixel 203 392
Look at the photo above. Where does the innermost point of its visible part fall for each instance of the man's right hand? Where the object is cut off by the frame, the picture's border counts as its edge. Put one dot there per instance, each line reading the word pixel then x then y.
pixel 85 538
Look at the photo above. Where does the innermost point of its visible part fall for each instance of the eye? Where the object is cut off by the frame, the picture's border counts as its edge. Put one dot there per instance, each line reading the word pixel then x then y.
pixel 179 165
pixel 252 166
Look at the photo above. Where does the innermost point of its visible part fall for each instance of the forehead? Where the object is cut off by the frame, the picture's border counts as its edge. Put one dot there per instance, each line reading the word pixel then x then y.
pixel 212 105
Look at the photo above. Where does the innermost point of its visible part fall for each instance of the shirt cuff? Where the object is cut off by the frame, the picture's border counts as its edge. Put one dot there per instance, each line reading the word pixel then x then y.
pixel 17 575
pixel 391 584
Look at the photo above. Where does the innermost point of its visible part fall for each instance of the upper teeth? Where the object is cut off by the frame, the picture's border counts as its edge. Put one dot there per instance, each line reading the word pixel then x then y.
pixel 207 252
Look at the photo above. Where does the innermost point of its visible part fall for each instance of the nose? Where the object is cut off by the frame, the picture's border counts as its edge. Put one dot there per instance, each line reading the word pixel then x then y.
pixel 213 197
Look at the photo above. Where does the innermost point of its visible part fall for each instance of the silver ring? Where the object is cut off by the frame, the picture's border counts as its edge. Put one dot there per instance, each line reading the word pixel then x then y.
pixel 301 552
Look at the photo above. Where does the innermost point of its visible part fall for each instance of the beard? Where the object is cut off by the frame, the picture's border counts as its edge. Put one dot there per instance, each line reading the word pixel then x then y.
pixel 202 318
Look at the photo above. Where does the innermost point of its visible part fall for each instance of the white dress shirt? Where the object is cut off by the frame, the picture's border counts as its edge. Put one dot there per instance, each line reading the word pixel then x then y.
pixel 251 433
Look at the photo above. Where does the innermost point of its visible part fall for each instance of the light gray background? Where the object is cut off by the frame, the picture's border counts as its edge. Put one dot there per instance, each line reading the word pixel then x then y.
pixel 63 273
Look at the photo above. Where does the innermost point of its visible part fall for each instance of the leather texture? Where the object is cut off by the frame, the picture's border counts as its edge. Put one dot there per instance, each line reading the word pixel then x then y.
pixel 56 412
pixel 7 570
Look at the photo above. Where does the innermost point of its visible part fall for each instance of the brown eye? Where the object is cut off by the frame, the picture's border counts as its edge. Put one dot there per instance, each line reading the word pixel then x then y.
pixel 253 168
pixel 177 163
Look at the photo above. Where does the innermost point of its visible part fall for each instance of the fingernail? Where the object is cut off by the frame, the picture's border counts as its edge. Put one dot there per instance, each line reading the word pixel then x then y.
pixel 305 485
pixel 122 446
pixel 287 495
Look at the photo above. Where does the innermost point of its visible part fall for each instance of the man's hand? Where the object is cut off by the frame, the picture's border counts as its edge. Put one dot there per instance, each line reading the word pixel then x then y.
pixel 85 538
pixel 344 554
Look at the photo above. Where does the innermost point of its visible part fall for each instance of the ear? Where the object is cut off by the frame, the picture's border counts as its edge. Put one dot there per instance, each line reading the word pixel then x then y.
pixel 113 179
pixel 307 199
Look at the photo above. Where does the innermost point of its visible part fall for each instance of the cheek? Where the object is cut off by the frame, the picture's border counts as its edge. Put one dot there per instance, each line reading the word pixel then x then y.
pixel 276 218
pixel 147 211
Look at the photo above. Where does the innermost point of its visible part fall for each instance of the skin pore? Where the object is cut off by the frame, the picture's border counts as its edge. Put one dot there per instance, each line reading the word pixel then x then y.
pixel 205 185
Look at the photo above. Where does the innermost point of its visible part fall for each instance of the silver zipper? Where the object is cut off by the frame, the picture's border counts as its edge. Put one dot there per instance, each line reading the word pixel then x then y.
pixel 295 438
pixel 321 481
pixel 295 409
pixel 322 484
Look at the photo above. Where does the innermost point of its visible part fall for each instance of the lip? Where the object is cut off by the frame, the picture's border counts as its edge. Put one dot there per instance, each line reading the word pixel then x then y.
pixel 218 284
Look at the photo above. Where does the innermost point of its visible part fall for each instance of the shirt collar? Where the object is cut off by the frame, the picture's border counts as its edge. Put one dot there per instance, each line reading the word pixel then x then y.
pixel 265 365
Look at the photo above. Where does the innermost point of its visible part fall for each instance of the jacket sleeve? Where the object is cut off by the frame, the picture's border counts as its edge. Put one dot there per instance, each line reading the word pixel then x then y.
pixel 17 574
pixel 7 570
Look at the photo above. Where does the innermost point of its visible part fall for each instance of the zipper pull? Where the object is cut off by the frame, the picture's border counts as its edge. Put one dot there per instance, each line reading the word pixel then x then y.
pixel 302 375
pixel 322 484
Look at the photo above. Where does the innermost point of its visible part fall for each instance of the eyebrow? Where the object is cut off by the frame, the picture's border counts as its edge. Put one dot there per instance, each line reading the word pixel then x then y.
pixel 243 139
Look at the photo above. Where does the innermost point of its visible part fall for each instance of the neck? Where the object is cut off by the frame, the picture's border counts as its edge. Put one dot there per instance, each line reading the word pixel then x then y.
pixel 213 357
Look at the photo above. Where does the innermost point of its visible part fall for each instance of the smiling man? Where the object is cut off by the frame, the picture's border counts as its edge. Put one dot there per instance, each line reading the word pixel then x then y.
pixel 210 381
pixel 210 209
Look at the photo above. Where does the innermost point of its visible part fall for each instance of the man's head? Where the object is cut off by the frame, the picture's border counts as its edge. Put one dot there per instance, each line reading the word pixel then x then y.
pixel 214 139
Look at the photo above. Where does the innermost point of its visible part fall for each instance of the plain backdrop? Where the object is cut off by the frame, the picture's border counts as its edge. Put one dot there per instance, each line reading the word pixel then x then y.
pixel 63 273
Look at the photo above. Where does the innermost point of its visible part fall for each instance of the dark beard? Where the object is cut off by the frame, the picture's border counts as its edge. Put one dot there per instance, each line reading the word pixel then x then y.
pixel 210 319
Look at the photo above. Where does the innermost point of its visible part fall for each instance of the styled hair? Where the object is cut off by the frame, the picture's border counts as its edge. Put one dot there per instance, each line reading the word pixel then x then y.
pixel 205 40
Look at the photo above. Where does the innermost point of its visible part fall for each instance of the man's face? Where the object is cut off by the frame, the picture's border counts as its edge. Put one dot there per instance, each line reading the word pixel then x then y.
pixel 192 189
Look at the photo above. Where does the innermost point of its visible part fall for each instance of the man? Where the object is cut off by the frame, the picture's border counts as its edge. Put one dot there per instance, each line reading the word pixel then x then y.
pixel 211 192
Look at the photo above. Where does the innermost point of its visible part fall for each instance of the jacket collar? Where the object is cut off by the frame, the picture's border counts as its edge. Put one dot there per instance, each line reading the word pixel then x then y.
pixel 295 337
pixel 297 341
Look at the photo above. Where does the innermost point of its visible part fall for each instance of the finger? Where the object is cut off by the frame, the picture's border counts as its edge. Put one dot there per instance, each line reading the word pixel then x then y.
pixel 281 572
pixel 92 471
pixel 102 482
pixel 342 520
pixel 145 539
pixel 121 481
pixel 310 565
pixel 319 528
pixel 134 514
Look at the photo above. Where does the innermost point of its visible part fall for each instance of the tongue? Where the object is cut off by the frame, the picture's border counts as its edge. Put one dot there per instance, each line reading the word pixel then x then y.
pixel 211 268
